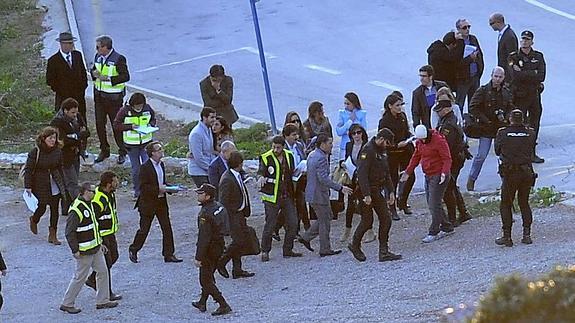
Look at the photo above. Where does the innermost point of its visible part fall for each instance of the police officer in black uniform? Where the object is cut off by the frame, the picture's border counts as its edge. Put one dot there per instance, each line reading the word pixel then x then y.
pixel 373 177
pixel 527 71
pixel 210 247
pixel 458 149
pixel 514 145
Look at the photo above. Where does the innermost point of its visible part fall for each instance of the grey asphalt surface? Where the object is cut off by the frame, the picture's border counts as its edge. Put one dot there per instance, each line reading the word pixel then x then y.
pixel 353 44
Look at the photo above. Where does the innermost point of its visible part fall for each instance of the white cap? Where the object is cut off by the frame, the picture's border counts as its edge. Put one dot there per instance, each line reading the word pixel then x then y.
pixel 420 132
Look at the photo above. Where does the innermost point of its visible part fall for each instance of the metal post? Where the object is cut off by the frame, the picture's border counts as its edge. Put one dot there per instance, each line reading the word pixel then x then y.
pixel 264 68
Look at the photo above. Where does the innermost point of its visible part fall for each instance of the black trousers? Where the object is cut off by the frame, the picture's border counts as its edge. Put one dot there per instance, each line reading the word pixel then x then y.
pixel 107 109
pixel 466 89
pixel 300 207
pixel 111 257
pixel 515 183
pixel 379 205
pixel 53 203
pixel 452 196
pixel 146 217
pixel 238 229
pixel 207 280
pixel 398 162
pixel 532 110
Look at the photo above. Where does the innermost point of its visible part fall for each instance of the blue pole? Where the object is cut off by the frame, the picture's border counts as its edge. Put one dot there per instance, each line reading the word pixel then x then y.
pixel 264 68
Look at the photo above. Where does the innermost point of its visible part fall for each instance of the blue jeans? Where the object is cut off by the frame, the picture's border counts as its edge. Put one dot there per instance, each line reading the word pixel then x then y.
pixel 482 152
pixel 138 156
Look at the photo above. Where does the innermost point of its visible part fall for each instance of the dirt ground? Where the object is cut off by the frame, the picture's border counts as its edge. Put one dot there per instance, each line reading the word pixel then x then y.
pixel 430 278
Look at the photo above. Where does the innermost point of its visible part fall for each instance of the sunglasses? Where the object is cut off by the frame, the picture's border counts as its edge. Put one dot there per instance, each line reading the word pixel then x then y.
pixel 466 27
pixel 296 120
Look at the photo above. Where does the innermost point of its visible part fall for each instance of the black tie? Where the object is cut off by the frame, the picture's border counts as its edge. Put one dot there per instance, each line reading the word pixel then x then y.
pixel 69 60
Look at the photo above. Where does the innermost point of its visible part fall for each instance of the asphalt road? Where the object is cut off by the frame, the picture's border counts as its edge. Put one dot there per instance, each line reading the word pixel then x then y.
pixel 323 49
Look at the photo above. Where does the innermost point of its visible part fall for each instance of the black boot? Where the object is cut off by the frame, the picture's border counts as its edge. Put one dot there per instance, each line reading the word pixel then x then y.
pixel 403 206
pixel 526 236
pixel 223 309
pixel 221 267
pixel 505 240
pixel 356 251
pixel 201 304
pixel 464 215
pixel 385 255
pixel 393 212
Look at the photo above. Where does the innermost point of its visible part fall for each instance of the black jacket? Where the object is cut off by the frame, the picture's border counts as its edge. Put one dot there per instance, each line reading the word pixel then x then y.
pixel 372 170
pixel 400 128
pixel 149 186
pixel 485 105
pixel 37 174
pixel 67 82
pixel 420 112
pixel 514 145
pixel 221 102
pixel 453 133
pixel 527 81
pixel 72 133
pixel 444 63
pixel 463 66
pixel 231 197
pixel 2 264
pixel 210 243
pixel 507 45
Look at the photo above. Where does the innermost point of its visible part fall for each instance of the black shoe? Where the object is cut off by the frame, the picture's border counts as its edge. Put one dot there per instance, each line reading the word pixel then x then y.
pixel 389 256
pixel 292 254
pixel 90 283
pixel 172 258
pixel 199 305
pixel 395 216
pixel 406 210
pixel 121 159
pixel 133 256
pixel 242 274
pixel 504 241
pixel 536 159
pixel 70 309
pixel 305 243
pixel 101 157
pixel 223 271
pixel 276 237
pixel 330 253
pixel 464 218
pixel 109 304
pixel 115 297
pixel 526 240
pixel 222 310
pixel 357 253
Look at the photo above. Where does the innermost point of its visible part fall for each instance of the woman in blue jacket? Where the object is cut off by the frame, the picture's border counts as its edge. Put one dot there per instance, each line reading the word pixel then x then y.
pixel 349 115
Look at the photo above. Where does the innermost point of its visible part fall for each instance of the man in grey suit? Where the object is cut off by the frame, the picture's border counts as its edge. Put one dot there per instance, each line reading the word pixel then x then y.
pixel 317 194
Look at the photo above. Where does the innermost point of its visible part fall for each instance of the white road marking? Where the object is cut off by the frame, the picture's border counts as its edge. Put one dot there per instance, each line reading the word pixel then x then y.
pixel 322 69
pixel 257 52
pixel 559 126
pixel 385 85
pixel 551 9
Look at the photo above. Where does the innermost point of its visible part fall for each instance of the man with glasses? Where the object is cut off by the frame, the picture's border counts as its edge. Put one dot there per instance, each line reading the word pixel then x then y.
pixel 152 202
pixel 423 97
pixel 470 67
pixel 506 40
pixel 527 67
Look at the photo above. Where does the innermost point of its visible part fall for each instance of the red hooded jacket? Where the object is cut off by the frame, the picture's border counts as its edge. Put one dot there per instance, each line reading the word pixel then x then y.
pixel 434 156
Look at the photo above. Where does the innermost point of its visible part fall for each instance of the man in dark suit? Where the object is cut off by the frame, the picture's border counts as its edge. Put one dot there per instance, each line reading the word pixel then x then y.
pixel 470 67
pixel 423 97
pixel 66 74
pixel 234 197
pixel 506 40
pixel 217 92
pixel 219 165
pixel 152 202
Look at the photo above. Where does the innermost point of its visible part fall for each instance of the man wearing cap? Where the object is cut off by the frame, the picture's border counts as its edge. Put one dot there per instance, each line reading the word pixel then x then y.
pixel 470 67
pixel 490 105
pixel 527 67
pixel 209 247
pixel 441 56
pixel 217 92
pixel 506 39
pixel 66 74
pixel 374 180
pixel 110 74
pixel 514 145
pixel 432 151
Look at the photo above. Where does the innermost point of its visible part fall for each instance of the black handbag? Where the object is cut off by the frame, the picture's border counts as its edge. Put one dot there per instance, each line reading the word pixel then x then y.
pixel 471 126
pixel 252 243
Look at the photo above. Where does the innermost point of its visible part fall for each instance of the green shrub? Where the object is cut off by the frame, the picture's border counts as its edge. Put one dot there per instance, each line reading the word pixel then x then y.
pixel 545 196
pixel 176 148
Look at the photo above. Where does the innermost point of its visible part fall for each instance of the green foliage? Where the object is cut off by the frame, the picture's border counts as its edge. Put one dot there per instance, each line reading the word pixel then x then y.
pixel 185 130
pixel 252 150
pixel 176 148
pixel 545 196
pixel 256 132
pixel 7 6
pixel 551 298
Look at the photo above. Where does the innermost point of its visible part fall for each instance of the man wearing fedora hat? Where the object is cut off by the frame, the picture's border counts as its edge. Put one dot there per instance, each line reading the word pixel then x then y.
pixel 66 74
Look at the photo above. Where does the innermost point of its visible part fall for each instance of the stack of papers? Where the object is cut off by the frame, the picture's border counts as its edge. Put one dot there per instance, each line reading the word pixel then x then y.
pixel 349 167
pixel 469 49
pixel 299 170
pixel 31 201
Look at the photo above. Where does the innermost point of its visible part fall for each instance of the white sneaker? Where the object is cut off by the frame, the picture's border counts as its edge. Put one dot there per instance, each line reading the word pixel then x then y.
pixel 429 238
pixel 369 236
pixel 345 235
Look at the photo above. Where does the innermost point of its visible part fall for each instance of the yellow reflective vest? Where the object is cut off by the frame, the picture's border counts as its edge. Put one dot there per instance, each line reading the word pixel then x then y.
pixel 107 213
pixel 87 230
pixel 133 137
pixel 271 172
pixel 108 68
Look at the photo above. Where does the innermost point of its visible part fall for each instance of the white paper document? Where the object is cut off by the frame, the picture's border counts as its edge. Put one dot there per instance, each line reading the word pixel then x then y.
pixel 299 170
pixel 469 49
pixel 147 130
pixel 349 167
pixel 31 201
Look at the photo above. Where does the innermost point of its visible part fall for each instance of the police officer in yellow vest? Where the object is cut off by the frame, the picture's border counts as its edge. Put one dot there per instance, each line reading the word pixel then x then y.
pixel 132 117
pixel 104 205
pixel 83 236
pixel 277 188
pixel 109 73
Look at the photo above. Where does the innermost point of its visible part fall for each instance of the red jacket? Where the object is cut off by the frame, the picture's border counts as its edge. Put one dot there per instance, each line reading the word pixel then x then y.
pixel 434 156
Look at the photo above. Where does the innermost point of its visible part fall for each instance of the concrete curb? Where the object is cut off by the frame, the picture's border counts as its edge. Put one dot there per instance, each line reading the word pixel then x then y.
pixel 169 99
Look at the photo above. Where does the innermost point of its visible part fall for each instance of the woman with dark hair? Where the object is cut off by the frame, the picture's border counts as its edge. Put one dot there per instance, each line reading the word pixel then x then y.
pixel 43 177
pixel 316 123
pixel 221 131
pixel 349 115
pixel 293 117
pixel 399 154
pixel 357 139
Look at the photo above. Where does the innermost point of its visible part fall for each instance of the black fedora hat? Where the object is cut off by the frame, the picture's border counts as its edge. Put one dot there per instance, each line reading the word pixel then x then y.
pixel 66 37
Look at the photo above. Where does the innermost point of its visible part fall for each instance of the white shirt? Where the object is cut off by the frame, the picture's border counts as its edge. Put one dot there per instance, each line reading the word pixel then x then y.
pixel 238 177
pixel 66 56
pixel 293 149
pixel 159 174
pixel 501 32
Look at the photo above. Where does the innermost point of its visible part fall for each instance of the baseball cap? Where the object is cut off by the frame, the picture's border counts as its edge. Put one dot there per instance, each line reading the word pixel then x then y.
pixel 420 132
pixel 206 188
pixel 527 34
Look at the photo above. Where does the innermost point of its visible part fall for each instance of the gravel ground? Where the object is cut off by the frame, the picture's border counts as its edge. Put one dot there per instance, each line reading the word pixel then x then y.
pixel 431 277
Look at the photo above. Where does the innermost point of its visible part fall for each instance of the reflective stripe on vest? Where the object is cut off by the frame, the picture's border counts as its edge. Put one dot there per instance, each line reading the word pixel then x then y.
pixel 108 68
pixel 108 220
pixel 133 137
pixel 87 230
pixel 276 179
